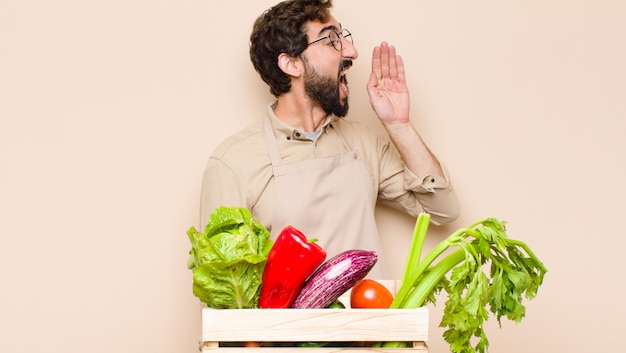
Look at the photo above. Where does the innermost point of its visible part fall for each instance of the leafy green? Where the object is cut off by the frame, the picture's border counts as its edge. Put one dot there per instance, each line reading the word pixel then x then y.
pixel 228 259
pixel 514 272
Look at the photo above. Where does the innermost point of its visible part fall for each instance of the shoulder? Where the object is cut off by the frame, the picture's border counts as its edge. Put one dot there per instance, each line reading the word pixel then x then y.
pixel 351 125
pixel 360 134
pixel 244 142
pixel 243 156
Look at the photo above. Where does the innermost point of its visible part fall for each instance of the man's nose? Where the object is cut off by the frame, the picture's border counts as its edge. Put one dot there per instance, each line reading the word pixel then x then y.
pixel 348 50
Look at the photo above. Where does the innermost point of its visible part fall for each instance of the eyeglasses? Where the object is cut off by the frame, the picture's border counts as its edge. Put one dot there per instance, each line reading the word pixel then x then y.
pixel 334 39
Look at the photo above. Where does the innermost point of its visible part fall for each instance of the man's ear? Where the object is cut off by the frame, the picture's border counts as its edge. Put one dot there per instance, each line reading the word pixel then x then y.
pixel 290 65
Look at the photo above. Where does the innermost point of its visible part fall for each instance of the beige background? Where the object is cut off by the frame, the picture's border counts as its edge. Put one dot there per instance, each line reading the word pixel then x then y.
pixel 109 110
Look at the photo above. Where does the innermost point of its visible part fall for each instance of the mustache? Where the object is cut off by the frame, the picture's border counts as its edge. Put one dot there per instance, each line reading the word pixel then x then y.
pixel 345 64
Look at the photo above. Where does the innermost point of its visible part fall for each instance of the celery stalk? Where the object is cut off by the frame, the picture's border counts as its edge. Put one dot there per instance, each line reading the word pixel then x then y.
pixel 417 243
pixel 515 272
pixel 430 281
pixel 411 280
pixel 412 275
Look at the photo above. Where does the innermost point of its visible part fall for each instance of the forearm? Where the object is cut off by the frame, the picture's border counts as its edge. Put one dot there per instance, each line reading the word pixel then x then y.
pixel 414 152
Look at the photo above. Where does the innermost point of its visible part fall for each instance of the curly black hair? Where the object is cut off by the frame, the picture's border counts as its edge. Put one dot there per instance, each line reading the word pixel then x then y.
pixel 281 29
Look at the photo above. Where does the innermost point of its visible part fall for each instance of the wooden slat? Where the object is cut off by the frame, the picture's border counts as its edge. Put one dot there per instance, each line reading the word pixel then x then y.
pixel 316 325
pixel 302 325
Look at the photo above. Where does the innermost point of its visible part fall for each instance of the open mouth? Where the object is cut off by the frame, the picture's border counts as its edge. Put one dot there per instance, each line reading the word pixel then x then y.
pixel 343 81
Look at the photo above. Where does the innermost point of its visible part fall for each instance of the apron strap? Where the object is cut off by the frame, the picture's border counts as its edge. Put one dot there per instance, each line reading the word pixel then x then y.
pixel 270 142
pixel 345 143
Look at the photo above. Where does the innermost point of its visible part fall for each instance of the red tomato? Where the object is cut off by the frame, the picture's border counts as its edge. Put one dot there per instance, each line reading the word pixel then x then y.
pixel 368 293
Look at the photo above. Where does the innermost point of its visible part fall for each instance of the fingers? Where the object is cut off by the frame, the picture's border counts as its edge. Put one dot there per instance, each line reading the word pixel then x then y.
pixel 386 63
pixel 392 69
pixel 384 59
pixel 372 85
pixel 400 73
pixel 376 70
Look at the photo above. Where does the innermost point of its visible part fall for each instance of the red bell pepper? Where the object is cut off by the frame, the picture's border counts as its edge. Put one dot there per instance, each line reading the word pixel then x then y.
pixel 290 262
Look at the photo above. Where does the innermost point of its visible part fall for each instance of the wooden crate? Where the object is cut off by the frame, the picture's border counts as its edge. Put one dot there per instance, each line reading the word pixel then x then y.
pixel 220 327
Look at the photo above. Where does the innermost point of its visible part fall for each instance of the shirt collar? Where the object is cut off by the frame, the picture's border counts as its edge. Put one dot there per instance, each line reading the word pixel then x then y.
pixel 284 131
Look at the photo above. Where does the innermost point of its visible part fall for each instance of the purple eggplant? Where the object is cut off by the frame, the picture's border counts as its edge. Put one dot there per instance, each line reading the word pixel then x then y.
pixel 334 277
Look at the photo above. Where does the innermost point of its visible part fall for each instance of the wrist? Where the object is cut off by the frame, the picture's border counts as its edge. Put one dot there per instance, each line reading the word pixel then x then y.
pixel 397 126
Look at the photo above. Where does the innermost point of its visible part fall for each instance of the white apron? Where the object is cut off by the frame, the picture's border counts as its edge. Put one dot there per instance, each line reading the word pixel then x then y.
pixel 327 198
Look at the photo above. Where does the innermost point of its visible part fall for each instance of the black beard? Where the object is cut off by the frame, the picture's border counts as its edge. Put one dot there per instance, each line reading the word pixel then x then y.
pixel 325 92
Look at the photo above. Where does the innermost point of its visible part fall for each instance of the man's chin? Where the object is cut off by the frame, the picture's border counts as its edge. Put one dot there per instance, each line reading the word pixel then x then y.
pixel 341 111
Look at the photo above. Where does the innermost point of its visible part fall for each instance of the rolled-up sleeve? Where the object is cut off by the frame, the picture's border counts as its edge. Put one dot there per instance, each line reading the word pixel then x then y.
pixel 400 188
pixel 433 194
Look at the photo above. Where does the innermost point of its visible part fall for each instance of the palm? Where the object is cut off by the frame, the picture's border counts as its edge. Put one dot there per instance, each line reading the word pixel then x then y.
pixel 387 89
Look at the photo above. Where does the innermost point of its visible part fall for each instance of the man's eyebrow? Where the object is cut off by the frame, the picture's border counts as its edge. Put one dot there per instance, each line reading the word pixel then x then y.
pixel 329 28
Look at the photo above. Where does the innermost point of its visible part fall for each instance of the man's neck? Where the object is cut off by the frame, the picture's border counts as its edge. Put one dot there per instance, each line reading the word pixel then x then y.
pixel 299 112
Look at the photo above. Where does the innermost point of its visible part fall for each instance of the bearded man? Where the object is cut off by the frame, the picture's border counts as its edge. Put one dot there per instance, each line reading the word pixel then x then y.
pixel 303 164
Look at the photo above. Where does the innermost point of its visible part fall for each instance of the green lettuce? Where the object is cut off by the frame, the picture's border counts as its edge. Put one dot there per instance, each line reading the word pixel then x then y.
pixel 228 259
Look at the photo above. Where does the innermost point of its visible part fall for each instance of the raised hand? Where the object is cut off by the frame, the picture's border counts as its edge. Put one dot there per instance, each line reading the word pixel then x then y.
pixel 389 97
pixel 387 89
